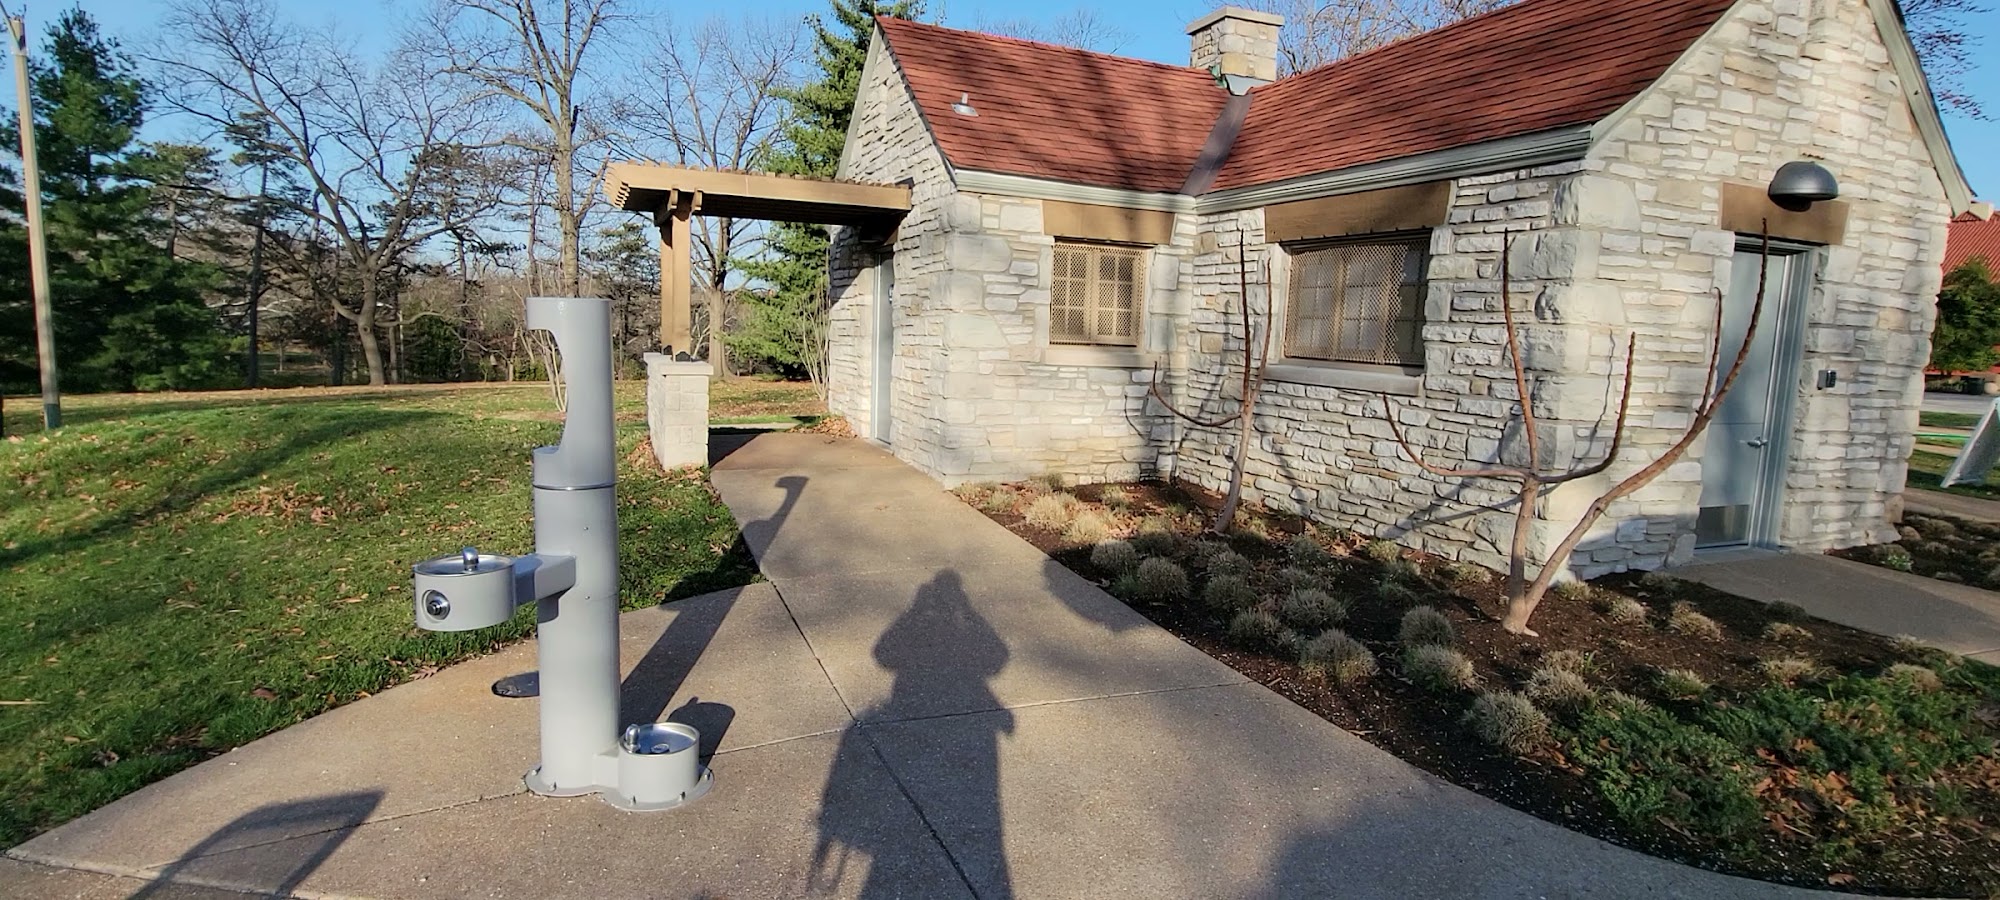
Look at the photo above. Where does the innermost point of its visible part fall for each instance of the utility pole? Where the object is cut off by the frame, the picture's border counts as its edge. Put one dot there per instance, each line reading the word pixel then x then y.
pixel 38 248
pixel 257 275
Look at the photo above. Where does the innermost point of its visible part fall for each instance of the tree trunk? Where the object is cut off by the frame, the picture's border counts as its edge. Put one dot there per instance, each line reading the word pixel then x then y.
pixel 567 221
pixel 364 328
pixel 718 302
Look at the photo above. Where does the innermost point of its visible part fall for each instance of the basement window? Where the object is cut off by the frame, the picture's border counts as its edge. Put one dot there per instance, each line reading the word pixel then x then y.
pixel 1094 297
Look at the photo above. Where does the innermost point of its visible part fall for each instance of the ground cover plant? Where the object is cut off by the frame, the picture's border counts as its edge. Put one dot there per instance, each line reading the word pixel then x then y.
pixel 1941 547
pixel 187 573
pixel 1653 712
pixel 1927 472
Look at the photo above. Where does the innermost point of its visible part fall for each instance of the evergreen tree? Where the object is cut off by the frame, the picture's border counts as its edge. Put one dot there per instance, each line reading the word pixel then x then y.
pixel 1968 322
pixel 115 290
pixel 795 269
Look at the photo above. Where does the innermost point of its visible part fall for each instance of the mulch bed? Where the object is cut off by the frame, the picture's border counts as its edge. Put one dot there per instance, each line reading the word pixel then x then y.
pixel 1942 547
pixel 1423 727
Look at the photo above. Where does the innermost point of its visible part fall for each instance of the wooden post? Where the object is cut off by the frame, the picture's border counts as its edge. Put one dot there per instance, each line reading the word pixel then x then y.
pixel 676 271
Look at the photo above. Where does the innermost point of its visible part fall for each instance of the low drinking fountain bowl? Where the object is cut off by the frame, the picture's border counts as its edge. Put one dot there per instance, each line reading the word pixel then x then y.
pixel 659 767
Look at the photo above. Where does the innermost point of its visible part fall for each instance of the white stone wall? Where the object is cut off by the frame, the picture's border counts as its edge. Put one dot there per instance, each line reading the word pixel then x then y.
pixel 677 410
pixel 888 143
pixel 1778 80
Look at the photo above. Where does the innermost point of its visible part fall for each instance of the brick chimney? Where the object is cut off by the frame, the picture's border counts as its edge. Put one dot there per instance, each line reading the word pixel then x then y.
pixel 1240 45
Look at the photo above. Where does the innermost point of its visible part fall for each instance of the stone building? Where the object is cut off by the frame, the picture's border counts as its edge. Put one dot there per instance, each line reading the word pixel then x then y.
pixel 1082 226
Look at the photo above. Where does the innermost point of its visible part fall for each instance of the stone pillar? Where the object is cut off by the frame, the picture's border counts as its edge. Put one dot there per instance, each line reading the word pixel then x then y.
pixel 677 410
pixel 1238 44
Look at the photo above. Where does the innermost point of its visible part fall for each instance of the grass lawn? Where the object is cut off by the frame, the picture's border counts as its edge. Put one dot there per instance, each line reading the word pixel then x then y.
pixel 186 573
pixel 1947 420
pixel 1927 469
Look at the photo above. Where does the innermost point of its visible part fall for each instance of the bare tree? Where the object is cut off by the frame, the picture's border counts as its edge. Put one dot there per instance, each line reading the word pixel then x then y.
pixel 1318 32
pixel 1082 27
pixel 534 53
pixel 711 100
pixel 366 141
pixel 1523 597
pixel 1947 45
pixel 1256 357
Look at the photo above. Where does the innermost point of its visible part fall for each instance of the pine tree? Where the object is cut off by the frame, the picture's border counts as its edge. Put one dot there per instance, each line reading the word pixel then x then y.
pixel 127 313
pixel 1968 322
pixel 794 272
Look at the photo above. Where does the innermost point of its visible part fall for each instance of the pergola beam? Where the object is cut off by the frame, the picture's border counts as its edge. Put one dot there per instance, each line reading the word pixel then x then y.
pixel 673 195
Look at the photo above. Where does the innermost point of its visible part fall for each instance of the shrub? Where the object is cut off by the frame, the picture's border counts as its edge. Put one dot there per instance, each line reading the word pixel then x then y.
pixel 1786 610
pixel 1687 620
pixel 1126 586
pixel 1790 669
pixel 1660 582
pixel 1569 661
pixel 1335 656
pixel 1050 482
pixel 1464 574
pixel 1293 578
pixel 1894 557
pixel 1438 668
pixel 1425 626
pixel 1403 570
pixel 1114 556
pixel 1917 679
pixel 1650 767
pixel 1562 690
pixel 1938 528
pixel 1624 611
pixel 974 492
pixel 1250 524
pixel 1161 580
pixel 1785 633
pixel 1229 594
pixel 1001 500
pixel 1397 593
pixel 1311 609
pixel 1932 548
pixel 1570 591
pixel 1682 684
pixel 1509 721
pixel 1115 498
pixel 1260 629
pixel 1306 552
pixel 1382 551
pixel 1907 533
pixel 1155 537
pixel 1228 562
pixel 1089 527
pixel 1624 702
pixel 1052 511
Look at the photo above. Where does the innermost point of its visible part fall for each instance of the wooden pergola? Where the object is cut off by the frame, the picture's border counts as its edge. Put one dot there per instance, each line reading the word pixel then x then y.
pixel 674 195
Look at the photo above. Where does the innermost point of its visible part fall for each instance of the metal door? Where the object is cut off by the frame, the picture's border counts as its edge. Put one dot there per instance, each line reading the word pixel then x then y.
pixel 1743 467
pixel 883 400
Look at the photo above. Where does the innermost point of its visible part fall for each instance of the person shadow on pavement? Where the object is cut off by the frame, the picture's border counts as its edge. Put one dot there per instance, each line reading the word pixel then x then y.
pixel 943 655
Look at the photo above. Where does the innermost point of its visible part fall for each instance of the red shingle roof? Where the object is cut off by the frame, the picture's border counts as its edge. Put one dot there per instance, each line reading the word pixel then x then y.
pixel 1056 112
pixel 1071 115
pixel 1972 236
pixel 1533 66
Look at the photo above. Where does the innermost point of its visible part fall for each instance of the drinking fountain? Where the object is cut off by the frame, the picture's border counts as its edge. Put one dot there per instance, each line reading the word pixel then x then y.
pixel 572 578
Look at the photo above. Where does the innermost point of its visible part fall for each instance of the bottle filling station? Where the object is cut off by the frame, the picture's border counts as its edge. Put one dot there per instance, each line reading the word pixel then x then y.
pixel 572 578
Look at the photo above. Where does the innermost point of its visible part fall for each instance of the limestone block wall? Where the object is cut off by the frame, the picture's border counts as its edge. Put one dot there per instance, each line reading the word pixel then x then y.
pixel 677 410
pixel 1013 405
pixel 889 144
pixel 1327 451
pixel 1777 80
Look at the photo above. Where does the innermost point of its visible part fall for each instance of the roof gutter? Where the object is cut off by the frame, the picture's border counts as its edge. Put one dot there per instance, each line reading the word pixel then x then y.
pixel 1046 189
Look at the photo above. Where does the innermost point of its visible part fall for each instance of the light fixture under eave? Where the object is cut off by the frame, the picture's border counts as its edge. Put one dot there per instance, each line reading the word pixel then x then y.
pixel 964 106
pixel 1801 183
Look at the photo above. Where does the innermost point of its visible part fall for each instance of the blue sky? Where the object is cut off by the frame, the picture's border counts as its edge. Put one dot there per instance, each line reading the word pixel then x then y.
pixel 1154 32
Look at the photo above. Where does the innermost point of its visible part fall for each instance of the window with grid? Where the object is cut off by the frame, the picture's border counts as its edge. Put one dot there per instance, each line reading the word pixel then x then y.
pixel 1094 297
pixel 1357 302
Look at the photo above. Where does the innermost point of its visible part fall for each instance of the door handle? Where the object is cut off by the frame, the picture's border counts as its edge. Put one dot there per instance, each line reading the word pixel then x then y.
pixel 1758 443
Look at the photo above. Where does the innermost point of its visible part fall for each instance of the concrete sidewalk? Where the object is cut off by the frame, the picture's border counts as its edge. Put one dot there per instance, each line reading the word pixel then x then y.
pixel 1955 617
pixel 918 704
pixel 1941 503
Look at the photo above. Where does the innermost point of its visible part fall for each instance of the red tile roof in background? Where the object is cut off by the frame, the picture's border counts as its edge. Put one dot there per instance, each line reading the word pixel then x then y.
pixel 1973 236
pixel 1056 112
pixel 1071 115
pixel 1532 66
